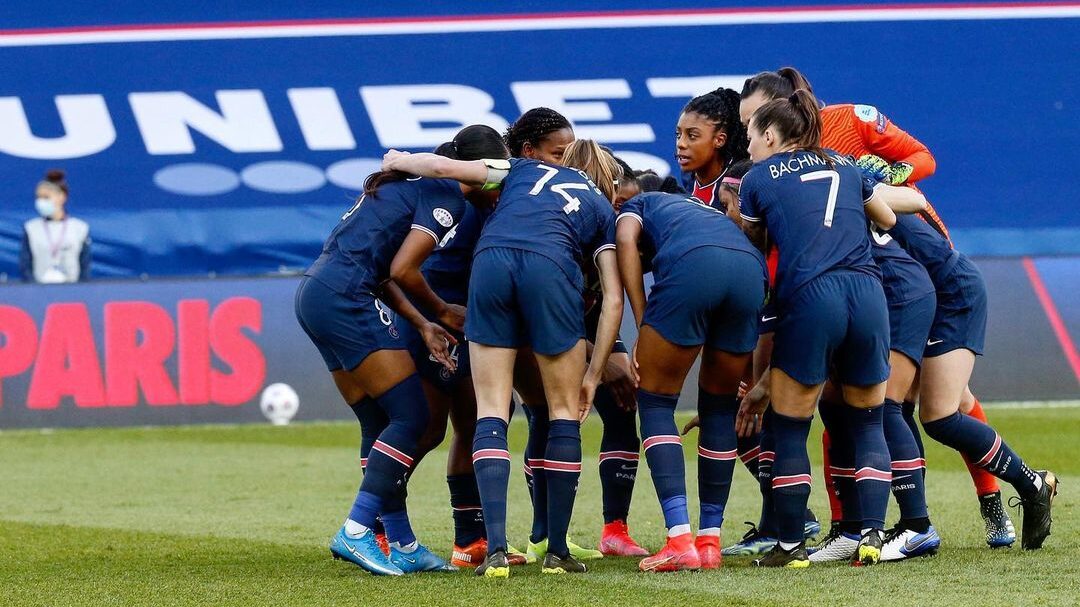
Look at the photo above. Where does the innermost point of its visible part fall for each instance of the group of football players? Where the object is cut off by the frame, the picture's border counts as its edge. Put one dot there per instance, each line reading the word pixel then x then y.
pixel 796 258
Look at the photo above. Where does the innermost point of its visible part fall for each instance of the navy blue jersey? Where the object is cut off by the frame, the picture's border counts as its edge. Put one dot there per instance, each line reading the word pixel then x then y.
pixel 674 225
pixel 553 211
pixel 903 278
pixel 448 268
pixel 926 246
pixel 356 257
pixel 814 213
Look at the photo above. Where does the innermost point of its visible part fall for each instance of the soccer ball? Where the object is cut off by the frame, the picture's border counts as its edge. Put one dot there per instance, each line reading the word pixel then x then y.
pixel 279 403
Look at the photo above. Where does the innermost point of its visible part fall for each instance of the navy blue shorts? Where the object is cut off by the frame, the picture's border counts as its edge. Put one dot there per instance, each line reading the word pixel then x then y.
pixel 445 380
pixel 712 296
pixel 960 320
pixel 839 319
pixel 909 326
pixel 345 329
pixel 519 299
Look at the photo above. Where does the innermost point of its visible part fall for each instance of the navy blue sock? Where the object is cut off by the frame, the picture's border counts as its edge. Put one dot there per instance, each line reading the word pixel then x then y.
pixel 365 509
pixel 562 466
pixel 391 456
pixel 619 447
pixel 765 459
pixel 535 450
pixel 907 464
pixel 873 472
pixel 465 503
pixel 984 448
pixel 717 450
pixel 398 529
pixel 663 452
pixel 909 419
pixel 749 447
pixel 791 475
pixel 676 514
pixel 372 422
pixel 842 462
pixel 527 412
pixel 491 463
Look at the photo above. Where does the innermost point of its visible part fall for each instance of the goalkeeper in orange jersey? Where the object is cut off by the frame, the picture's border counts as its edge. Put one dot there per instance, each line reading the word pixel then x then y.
pixel 893 156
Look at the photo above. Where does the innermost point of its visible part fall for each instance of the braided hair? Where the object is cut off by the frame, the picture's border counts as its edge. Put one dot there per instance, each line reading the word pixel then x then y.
pixel 722 108
pixel 533 127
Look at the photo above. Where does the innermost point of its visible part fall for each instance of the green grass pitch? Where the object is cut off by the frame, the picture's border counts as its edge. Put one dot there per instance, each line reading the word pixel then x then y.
pixel 215 516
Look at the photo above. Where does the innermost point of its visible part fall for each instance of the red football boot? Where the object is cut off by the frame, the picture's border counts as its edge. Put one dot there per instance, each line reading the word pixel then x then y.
pixel 678 554
pixel 615 540
pixel 708 548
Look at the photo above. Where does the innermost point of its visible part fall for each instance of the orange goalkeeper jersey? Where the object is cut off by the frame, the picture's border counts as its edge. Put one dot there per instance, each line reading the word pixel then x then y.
pixel 858 130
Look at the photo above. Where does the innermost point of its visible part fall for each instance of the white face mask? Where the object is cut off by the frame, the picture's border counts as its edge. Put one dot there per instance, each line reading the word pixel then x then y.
pixel 45 207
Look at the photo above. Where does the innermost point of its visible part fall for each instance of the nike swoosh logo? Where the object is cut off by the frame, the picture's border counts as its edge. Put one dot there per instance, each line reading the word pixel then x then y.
pixel 767 318
pixel 912 546
pixel 663 562
pixel 934 342
pixel 896 478
pixel 408 560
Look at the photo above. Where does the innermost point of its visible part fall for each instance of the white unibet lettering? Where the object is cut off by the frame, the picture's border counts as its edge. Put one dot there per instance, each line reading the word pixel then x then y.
pixel 559 95
pixel 692 86
pixel 167 119
pixel 88 129
pixel 399 113
pixel 321 119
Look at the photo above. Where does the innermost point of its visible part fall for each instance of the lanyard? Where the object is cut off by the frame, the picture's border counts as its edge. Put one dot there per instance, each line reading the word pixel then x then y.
pixel 54 249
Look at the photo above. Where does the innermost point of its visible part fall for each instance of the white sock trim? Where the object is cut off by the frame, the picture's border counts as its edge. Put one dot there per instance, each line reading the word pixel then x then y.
pixel 354 529
pixel 678 530
pixel 714 531
pixel 789 546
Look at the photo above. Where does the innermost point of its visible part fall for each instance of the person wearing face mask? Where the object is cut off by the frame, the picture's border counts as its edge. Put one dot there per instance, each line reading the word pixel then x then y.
pixel 55 246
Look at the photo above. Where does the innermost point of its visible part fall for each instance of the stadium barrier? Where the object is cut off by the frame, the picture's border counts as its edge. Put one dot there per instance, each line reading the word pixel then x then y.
pixel 204 351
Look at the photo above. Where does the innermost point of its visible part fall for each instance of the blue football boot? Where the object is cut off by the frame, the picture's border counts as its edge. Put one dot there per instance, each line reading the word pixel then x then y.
pixel 419 560
pixel 903 544
pixel 362 551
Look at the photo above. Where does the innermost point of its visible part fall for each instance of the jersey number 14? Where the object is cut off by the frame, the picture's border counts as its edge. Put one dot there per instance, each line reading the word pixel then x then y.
pixel 562 189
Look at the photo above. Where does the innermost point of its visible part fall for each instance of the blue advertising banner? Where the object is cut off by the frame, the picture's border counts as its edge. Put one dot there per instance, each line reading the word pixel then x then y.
pixel 233 148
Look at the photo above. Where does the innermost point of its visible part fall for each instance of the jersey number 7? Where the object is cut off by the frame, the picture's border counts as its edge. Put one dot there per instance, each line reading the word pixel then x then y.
pixel 572 202
pixel 834 188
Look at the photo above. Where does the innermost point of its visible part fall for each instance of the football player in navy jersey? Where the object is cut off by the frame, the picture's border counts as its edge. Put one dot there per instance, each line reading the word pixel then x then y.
pixel 338 307
pixel 708 139
pixel 525 291
pixel 832 314
pixel 544 134
pixel 449 390
pixel 910 296
pixel 956 338
pixel 691 240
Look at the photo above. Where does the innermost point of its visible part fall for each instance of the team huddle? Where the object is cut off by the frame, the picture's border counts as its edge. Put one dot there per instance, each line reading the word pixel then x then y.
pixel 797 259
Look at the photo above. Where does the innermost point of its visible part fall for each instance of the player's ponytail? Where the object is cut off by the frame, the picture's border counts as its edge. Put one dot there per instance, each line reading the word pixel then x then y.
pixel 776 85
pixel 587 156
pixel 796 120
pixel 474 142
